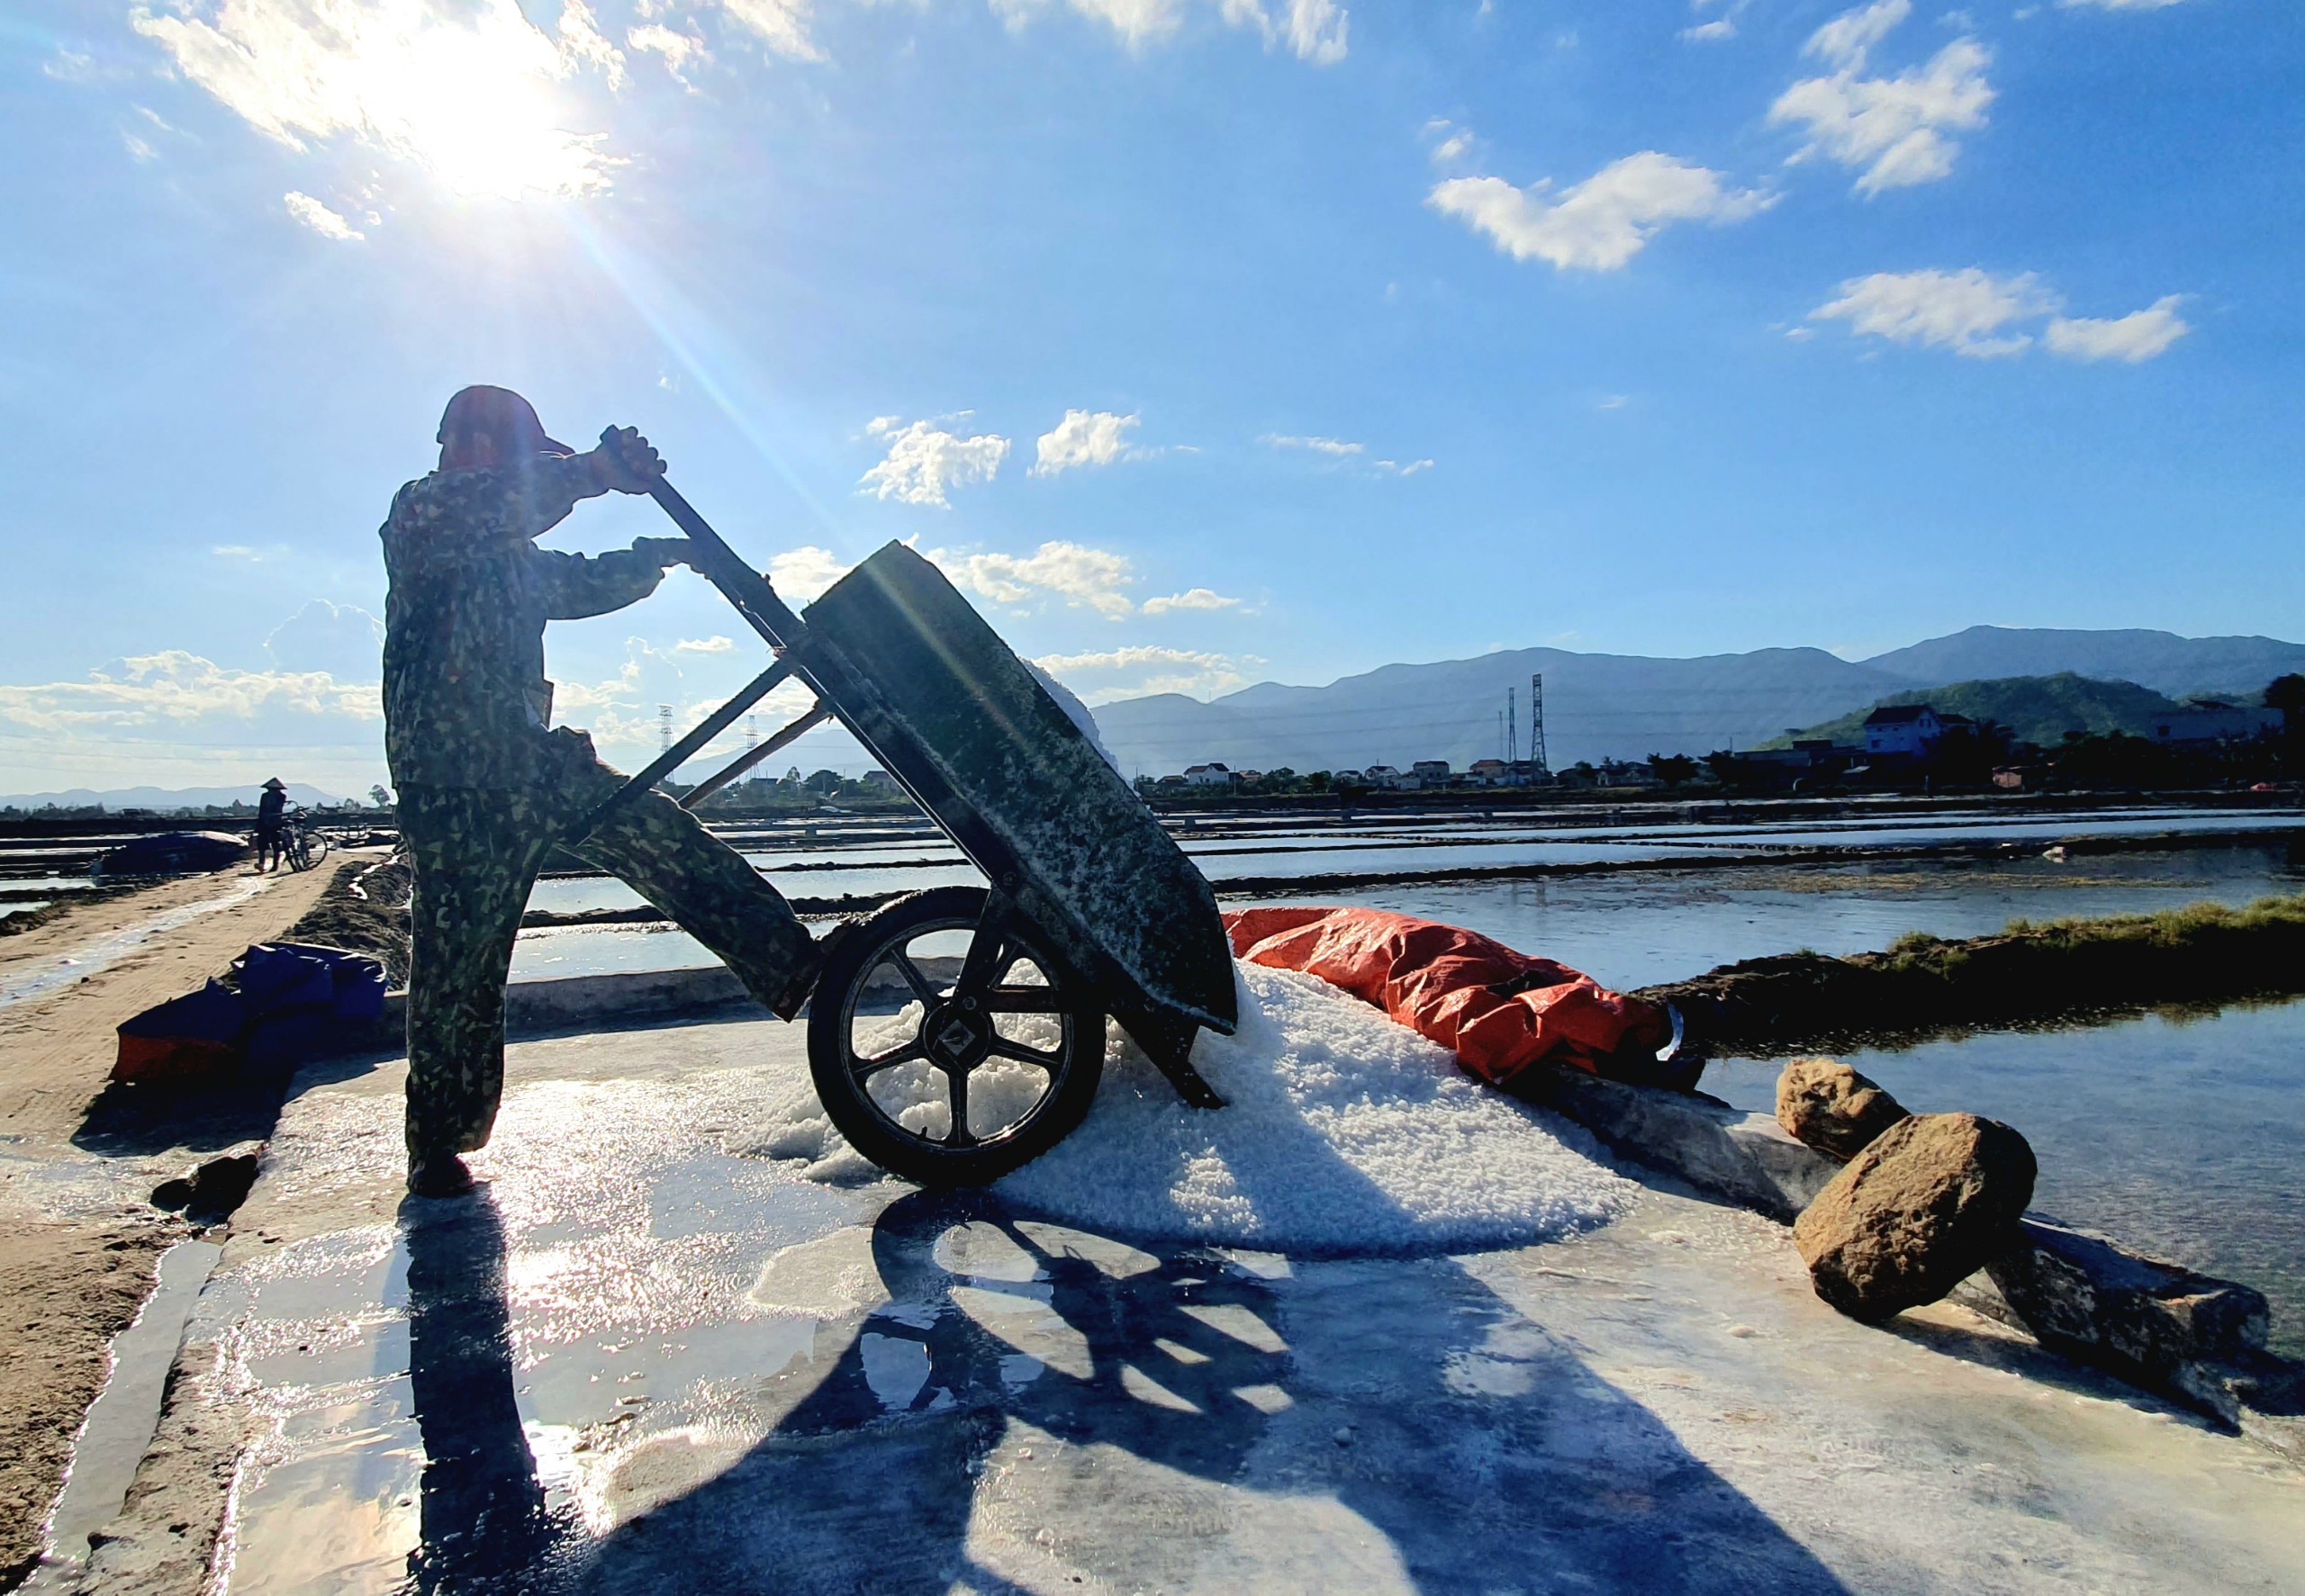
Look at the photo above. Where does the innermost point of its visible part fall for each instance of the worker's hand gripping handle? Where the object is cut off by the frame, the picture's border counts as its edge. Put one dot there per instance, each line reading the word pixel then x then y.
pixel 713 559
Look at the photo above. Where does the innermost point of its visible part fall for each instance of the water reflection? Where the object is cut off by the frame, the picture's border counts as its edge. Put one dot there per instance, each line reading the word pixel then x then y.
pixel 481 1510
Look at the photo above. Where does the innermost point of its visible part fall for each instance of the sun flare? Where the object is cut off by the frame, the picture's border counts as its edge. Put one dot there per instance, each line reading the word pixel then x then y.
pixel 475 95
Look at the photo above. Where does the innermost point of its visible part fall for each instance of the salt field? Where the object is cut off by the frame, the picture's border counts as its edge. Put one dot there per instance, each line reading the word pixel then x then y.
pixel 2175 1133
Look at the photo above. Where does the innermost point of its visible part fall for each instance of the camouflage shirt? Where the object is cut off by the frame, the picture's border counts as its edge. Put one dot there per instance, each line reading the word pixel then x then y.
pixel 466 699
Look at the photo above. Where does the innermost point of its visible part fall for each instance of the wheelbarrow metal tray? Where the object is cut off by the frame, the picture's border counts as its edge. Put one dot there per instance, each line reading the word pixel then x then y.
pixel 922 682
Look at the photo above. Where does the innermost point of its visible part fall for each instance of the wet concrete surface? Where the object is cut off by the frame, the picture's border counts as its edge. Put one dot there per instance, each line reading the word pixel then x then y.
pixel 643 1360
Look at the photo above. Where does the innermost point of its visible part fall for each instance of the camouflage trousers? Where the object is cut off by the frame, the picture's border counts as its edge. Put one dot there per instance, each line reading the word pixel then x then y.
pixel 476 853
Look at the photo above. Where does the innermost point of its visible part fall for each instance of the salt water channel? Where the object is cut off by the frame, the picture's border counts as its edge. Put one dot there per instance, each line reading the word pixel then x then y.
pixel 2175 1132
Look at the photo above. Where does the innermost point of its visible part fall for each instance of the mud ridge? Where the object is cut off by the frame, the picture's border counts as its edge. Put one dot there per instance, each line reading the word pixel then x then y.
pixel 2028 974
pixel 365 910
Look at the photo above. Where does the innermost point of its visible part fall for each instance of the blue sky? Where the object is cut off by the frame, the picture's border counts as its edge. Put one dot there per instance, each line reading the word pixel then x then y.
pixel 1204 341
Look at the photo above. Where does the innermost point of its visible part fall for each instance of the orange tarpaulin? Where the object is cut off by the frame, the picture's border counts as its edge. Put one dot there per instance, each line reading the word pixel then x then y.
pixel 1499 1011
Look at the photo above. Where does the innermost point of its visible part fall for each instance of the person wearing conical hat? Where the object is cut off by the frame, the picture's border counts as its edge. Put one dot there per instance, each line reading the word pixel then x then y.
pixel 271 805
pixel 487 789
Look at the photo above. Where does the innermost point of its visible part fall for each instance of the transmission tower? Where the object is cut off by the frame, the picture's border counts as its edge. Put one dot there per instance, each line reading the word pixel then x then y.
pixel 664 728
pixel 1512 731
pixel 1536 723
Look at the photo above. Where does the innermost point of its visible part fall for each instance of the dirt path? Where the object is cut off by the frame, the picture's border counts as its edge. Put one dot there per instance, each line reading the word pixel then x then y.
pixel 56 1042
pixel 78 1243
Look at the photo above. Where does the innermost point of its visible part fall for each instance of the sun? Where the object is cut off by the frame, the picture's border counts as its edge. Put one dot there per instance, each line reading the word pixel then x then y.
pixel 475 94
pixel 482 108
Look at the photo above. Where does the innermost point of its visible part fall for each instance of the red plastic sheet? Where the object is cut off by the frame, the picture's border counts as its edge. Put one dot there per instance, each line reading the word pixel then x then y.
pixel 1499 1011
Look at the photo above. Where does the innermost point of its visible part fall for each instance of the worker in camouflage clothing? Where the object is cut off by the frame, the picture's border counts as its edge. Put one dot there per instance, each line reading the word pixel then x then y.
pixel 487 791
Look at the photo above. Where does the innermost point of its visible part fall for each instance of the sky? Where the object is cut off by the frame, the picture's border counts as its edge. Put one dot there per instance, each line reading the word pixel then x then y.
pixel 1202 342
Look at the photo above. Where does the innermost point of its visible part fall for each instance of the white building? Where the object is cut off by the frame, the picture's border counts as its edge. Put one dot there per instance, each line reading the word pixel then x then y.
pixel 2212 722
pixel 1209 775
pixel 1902 731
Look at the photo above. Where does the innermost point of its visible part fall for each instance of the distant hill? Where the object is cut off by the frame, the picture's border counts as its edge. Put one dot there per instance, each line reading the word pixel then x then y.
pixel 1596 706
pixel 161 800
pixel 2161 660
pixel 2038 708
pixel 1628 707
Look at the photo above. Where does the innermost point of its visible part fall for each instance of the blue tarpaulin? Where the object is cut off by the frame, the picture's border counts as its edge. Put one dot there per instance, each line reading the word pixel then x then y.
pixel 295 1002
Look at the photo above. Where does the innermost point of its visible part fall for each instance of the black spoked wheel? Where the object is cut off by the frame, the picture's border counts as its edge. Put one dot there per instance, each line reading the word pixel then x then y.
pixel 304 849
pixel 948 1044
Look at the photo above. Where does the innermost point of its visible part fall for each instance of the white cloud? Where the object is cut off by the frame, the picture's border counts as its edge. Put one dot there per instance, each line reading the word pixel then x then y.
pixel 1320 445
pixel 1079 576
pixel 1896 129
pixel 317 216
pixel 1174 671
pixel 1128 659
pixel 1085 437
pixel 1600 223
pixel 1191 598
pixel 237 551
pixel 621 712
pixel 1718 28
pixel 1315 30
pixel 1340 450
pixel 715 644
pixel 1449 142
pixel 2117 5
pixel 1613 401
pixel 1849 39
pixel 781 24
pixel 801 575
pixel 341 640
pixel 176 686
pixel 2140 335
pixel 1973 313
pixel 680 51
pixel 1088 578
pixel 580 39
pixel 466 90
pixel 923 460
pixel 1969 312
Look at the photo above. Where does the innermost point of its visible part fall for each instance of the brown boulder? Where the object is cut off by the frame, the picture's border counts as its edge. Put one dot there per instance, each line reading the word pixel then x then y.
pixel 1915 1213
pixel 1831 1107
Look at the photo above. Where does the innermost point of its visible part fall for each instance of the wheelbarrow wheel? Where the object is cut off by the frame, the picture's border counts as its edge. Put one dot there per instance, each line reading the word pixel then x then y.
pixel 947 1044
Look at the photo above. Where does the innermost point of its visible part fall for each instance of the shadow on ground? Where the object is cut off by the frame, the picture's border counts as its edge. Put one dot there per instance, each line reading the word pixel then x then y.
pixel 1479 1450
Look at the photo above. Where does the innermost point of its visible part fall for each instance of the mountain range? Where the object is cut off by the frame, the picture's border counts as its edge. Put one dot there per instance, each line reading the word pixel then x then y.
pixel 1600 705
pixel 161 800
pixel 1597 706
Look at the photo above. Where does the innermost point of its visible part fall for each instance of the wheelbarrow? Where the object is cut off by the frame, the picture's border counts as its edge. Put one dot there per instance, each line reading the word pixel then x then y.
pixel 957 1034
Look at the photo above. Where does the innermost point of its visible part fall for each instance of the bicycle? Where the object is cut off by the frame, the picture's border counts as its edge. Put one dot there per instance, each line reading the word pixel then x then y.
pixel 301 845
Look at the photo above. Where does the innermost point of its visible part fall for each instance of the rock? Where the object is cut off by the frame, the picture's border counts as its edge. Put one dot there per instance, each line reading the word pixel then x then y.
pixel 212 1192
pixel 1834 1108
pixel 1925 1206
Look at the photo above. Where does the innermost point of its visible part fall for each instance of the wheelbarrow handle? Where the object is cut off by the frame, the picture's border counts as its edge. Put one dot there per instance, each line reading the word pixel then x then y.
pixel 718 563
